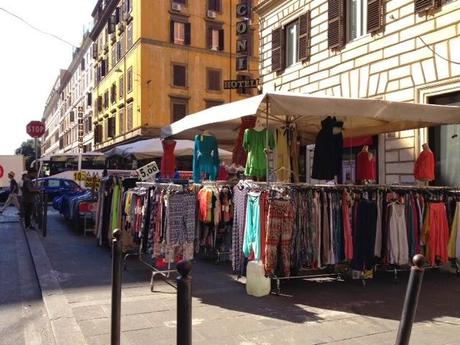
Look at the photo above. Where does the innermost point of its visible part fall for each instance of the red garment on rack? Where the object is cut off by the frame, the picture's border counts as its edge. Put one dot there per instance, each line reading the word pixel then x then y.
pixel 438 233
pixel 365 166
pixel 239 154
pixel 347 232
pixel 168 161
pixel 424 166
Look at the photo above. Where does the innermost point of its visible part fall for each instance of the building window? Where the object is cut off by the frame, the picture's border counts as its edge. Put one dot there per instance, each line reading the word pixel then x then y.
pixel 114 55
pixel 292 47
pixel 121 87
pixel 122 45
pixel 121 121
pixel 215 37
pixel 210 104
pixel 214 5
pixel 113 93
pixel 214 80
pixel 129 34
pixel 182 2
pixel 178 108
pixel 356 19
pixel 291 43
pixel 106 99
pixel 180 31
pixel 111 127
pixel 179 78
pixel 130 80
pixel 129 117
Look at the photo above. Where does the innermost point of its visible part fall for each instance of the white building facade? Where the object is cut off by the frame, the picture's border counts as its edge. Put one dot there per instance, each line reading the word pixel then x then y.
pixel 397 50
pixel 68 112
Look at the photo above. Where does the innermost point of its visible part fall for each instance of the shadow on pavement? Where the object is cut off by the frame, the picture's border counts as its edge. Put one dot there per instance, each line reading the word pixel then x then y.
pixel 79 263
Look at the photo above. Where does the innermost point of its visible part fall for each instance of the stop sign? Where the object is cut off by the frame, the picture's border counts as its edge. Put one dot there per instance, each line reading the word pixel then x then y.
pixel 35 129
pixel 1 171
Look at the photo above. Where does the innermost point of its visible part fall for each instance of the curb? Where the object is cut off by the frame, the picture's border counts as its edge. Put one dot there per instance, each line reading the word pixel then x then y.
pixel 64 326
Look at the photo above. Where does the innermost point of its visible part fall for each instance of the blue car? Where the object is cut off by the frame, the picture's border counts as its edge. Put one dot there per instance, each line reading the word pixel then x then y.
pixel 55 187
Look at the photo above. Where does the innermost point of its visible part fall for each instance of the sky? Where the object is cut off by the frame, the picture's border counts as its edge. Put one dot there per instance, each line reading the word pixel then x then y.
pixel 30 61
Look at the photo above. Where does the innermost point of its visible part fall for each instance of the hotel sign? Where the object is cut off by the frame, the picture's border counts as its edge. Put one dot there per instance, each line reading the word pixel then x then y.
pixel 241 84
pixel 242 36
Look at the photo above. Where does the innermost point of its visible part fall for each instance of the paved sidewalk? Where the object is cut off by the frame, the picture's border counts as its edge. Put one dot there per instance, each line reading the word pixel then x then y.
pixel 326 312
pixel 23 317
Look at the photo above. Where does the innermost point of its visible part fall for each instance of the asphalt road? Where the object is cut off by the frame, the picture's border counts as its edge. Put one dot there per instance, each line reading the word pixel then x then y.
pixel 23 319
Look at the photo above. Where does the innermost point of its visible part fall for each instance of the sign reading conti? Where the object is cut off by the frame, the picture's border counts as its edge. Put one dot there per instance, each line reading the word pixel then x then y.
pixel 241 84
pixel 243 33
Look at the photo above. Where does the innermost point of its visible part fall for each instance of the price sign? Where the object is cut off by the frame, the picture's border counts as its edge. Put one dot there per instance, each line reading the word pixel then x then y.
pixel 148 172
pixel 80 176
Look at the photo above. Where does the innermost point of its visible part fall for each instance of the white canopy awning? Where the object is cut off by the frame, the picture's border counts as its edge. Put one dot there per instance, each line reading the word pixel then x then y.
pixel 152 148
pixel 361 117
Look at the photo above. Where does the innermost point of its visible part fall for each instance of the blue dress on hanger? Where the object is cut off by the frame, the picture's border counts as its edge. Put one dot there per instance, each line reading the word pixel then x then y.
pixel 205 157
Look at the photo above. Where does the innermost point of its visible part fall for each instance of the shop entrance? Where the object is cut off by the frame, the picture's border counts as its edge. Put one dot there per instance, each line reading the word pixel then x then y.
pixel 445 143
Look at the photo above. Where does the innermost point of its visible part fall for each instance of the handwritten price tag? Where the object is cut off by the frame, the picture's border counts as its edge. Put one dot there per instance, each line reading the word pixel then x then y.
pixel 148 172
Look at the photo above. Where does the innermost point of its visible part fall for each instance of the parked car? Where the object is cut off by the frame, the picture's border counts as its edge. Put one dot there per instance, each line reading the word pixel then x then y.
pixel 55 187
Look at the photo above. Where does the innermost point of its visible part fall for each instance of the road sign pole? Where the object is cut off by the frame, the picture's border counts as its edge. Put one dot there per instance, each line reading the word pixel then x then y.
pixel 36 150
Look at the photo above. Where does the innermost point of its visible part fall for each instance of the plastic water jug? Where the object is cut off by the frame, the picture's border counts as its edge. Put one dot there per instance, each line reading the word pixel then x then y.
pixel 256 283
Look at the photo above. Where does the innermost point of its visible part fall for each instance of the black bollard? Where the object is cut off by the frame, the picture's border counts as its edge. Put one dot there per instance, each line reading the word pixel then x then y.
pixel 411 300
pixel 184 303
pixel 117 264
pixel 45 215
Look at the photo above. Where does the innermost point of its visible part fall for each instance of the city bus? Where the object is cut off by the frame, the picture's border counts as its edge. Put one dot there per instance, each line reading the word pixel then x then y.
pixel 84 168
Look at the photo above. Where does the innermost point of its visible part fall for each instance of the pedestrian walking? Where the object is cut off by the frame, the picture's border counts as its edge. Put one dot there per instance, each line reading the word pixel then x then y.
pixel 29 191
pixel 13 197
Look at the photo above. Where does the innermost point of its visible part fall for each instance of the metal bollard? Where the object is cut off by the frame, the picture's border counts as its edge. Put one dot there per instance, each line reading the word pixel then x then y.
pixel 45 214
pixel 184 303
pixel 117 276
pixel 411 300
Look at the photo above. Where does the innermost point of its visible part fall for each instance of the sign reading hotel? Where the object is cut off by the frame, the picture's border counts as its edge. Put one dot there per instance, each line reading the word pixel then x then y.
pixel 241 84
pixel 242 36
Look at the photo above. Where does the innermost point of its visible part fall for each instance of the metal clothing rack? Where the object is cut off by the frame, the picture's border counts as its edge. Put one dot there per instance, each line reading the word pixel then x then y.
pixel 277 279
pixel 164 274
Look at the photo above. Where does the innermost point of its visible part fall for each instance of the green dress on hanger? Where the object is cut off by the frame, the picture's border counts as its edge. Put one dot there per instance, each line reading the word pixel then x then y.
pixel 254 144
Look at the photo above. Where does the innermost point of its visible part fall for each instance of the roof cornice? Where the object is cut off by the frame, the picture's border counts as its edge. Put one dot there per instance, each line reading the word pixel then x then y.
pixel 266 5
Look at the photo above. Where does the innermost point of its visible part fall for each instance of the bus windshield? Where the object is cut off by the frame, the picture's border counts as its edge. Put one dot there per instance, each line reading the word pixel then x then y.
pixel 58 164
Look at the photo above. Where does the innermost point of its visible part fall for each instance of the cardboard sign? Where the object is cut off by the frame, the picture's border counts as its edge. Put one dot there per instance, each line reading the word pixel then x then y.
pixel 148 172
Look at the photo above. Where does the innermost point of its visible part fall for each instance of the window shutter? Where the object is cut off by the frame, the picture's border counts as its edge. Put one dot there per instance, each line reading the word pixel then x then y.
pixel 336 21
pixel 171 31
pixel 221 39
pixel 179 75
pixel 209 37
pixel 89 99
pixel 426 5
pixel 187 38
pixel 304 36
pixel 375 15
pixel 277 51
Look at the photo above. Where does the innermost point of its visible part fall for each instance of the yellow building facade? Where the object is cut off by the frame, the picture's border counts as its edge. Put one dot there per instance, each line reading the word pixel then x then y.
pixel 156 61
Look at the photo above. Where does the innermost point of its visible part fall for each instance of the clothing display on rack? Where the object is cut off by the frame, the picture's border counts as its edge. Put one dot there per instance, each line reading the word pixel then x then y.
pixel 327 159
pixel 254 143
pixel 215 214
pixel 239 154
pixel 108 215
pixel 205 157
pixel 283 157
pixel 310 227
pixel 454 239
pixel 168 160
pixel 161 217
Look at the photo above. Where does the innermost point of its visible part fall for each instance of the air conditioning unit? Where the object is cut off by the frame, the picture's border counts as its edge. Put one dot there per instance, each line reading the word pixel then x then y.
pixel 211 14
pixel 176 7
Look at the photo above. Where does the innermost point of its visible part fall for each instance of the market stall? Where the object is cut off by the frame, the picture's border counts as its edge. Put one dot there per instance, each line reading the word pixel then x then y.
pixel 364 226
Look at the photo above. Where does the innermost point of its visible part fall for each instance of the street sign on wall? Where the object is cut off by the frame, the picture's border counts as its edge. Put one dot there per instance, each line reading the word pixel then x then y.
pixel 35 129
